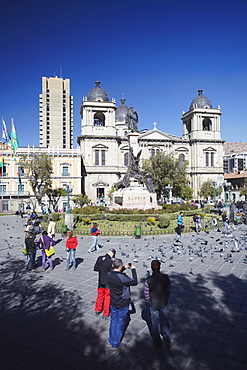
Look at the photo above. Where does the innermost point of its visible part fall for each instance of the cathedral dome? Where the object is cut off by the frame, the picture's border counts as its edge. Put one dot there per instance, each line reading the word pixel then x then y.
pixel 200 101
pixel 121 112
pixel 97 94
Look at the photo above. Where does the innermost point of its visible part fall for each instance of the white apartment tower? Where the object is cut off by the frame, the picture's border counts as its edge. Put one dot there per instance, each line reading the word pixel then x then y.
pixel 55 113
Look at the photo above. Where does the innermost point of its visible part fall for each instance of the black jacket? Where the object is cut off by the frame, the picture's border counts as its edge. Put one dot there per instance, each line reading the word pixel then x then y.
pixel 159 290
pixel 119 285
pixel 103 265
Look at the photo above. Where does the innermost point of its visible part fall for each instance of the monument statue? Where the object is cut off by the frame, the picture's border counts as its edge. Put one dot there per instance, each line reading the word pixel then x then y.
pixel 133 171
pixel 132 119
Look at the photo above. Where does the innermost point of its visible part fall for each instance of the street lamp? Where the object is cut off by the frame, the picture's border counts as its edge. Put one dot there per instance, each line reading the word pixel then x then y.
pixel 68 191
pixel 227 187
pixel 169 193
pixel 214 184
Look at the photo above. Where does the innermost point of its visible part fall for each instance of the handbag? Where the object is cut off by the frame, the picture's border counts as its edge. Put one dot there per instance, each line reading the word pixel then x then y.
pixel 49 252
pixel 24 250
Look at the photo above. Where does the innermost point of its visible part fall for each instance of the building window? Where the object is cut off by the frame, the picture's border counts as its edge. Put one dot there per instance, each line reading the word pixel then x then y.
pixel 20 189
pixel 212 159
pixel 100 157
pixel 65 171
pixel 3 171
pixel 2 189
pixel 97 157
pixel 209 159
pixel 21 171
pixel 154 151
pixel 126 159
pixel 103 157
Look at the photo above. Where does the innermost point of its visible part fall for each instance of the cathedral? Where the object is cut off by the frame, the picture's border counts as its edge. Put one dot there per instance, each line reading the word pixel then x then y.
pixel 105 139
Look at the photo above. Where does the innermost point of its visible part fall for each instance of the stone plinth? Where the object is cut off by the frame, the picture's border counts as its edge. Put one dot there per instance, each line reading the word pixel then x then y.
pixel 69 221
pixel 136 196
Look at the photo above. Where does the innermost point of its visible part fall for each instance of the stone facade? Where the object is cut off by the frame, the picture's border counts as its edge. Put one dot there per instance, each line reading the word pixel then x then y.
pixel 104 143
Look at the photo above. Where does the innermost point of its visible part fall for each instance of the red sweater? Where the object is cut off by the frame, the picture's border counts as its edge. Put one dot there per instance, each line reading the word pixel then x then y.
pixel 72 242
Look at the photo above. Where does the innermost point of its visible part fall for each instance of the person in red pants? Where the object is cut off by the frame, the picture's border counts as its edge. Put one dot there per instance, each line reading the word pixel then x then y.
pixel 103 265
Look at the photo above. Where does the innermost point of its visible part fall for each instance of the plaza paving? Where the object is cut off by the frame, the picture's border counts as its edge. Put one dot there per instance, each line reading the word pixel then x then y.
pixel 48 322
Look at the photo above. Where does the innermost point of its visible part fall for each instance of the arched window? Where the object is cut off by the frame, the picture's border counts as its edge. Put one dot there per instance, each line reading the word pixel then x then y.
pixel 99 119
pixel 207 124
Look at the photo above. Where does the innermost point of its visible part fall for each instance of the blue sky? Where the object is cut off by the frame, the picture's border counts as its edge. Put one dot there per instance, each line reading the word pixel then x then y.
pixel 158 53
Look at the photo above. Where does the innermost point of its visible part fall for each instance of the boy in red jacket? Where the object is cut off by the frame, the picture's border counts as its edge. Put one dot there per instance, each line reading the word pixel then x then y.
pixel 94 232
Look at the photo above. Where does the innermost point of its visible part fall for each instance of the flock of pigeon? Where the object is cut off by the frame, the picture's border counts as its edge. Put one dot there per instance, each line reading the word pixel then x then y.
pixel 206 246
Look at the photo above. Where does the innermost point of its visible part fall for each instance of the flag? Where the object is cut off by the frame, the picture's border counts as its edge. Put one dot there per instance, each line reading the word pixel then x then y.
pixel 1 165
pixel 14 139
pixel 5 134
pixel 19 177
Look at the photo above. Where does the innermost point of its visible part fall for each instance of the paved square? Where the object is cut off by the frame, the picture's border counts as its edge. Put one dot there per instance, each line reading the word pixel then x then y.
pixel 48 321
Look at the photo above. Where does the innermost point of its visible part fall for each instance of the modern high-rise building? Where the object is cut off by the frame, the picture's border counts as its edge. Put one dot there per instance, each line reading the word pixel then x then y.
pixel 55 114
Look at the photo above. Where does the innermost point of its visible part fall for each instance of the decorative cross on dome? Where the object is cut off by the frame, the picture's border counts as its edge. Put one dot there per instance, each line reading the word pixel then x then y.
pixel 155 125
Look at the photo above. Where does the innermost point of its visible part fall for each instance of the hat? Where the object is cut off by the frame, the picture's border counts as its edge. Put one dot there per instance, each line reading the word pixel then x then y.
pixel 113 251
pixel 155 265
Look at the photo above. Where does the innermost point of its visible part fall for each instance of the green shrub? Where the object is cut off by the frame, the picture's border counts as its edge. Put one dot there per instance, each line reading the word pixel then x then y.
pixel 45 218
pixel 86 210
pixel 86 220
pixel 55 216
pixel 151 220
pixel 164 221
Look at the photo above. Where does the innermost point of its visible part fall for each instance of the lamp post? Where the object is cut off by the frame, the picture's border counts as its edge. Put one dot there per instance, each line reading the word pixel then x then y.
pixel 68 191
pixel 214 184
pixel 169 193
pixel 69 217
pixel 227 187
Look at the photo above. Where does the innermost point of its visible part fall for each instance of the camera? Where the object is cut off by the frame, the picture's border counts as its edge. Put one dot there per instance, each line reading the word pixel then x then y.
pixel 129 264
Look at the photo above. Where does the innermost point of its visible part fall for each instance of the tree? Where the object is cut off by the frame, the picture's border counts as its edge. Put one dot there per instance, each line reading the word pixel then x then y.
pixel 54 195
pixel 167 170
pixel 186 192
pixel 243 191
pixel 207 189
pixel 38 169
pixel 81 199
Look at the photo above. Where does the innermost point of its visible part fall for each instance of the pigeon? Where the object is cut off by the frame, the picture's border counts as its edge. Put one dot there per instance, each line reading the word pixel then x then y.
pixel 144 264
pixel 192 272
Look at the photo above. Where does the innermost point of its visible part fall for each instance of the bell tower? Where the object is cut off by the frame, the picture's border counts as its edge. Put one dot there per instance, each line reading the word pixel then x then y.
pixel 201 128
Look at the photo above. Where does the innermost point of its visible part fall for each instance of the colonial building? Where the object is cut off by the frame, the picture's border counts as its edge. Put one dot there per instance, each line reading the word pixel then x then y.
pixel 15 190
pixel 104 142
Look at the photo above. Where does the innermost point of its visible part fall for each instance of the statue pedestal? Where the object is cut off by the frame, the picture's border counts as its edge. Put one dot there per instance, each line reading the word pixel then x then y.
pixel 134 197
pixel 69 221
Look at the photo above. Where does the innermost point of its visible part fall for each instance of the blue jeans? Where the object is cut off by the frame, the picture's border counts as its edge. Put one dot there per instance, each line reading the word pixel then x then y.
pixel 117 325
pixel 71 253
pixel 160 324
pixel 95 244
